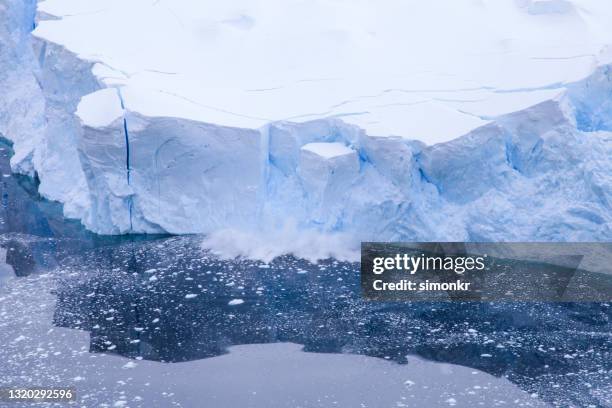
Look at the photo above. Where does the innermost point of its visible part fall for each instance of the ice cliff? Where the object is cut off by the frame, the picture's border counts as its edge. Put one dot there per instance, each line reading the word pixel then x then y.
pixel 41 84
pixel 134 135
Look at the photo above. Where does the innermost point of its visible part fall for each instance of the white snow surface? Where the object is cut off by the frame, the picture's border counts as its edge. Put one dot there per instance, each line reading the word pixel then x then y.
pixel 388 67
pixel 103 111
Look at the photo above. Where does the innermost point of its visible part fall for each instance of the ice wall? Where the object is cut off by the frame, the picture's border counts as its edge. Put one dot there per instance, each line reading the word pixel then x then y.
pixel 22 104
pixel 42 83
pixel 529 175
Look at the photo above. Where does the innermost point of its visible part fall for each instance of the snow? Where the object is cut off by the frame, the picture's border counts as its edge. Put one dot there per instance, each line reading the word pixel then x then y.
pixel 388 69
pixel 550 7
pixel 268 243
pixel 327 150
pixel 100 108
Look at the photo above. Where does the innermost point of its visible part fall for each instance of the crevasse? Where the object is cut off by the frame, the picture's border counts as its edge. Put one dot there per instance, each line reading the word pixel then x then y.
pixel 127 153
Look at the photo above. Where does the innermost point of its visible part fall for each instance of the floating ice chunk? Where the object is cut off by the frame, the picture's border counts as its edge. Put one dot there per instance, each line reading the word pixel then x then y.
pixel 129 365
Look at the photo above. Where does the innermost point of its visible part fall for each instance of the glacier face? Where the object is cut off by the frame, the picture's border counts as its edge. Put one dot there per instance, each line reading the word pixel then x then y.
pixel 42 83
pixel 126 158
pixel 22 107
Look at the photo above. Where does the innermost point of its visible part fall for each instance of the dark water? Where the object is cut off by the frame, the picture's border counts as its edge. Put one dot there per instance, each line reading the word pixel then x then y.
pixel 137 300
pixel 165 299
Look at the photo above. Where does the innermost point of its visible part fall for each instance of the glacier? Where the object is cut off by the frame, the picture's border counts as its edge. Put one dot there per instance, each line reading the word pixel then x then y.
pixel 135 135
